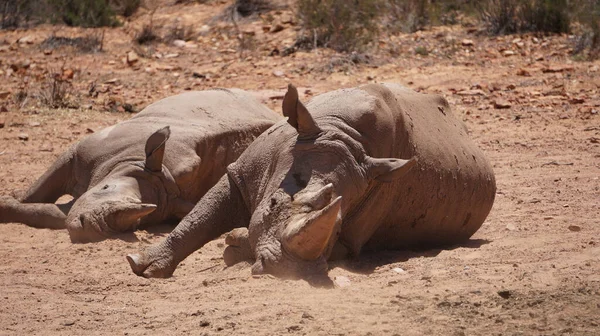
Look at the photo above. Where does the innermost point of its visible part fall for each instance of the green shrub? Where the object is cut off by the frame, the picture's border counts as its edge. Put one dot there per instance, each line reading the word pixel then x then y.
pixel 125 7
pixel 15 12
pixel 511 16
pixel 85 13
pixel 340 24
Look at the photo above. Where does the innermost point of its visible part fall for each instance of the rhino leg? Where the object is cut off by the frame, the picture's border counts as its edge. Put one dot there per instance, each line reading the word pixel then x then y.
pixel 220 210
pixel 238 249
pixel 55 182
pixel 38 215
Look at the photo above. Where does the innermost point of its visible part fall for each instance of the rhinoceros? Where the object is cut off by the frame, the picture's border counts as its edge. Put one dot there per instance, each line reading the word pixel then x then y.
pixel 128 175
pixel 376 167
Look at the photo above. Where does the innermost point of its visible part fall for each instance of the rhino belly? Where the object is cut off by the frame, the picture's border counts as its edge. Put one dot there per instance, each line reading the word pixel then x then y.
pixel 435 207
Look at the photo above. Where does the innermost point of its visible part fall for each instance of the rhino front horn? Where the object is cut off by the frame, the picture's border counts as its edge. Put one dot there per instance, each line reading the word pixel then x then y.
pixel 130 214
pixel 309 238
pixel 298 115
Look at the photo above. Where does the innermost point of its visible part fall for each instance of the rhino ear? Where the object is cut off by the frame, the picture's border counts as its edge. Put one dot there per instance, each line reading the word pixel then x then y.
pixel 388 169
pixel 155 149
pixel 297 114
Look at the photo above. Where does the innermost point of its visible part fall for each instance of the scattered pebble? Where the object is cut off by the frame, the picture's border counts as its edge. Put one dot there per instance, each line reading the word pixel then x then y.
pixel 398 270
pixel 341 281
pixel 505 293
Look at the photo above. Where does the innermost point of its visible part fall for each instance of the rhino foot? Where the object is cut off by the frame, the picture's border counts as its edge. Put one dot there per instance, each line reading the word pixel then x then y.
pixel 149 264
pixel 239 247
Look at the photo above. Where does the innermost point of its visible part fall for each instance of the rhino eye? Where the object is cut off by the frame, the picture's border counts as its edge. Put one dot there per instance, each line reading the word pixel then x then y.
pixel 273 202
pixel 105 187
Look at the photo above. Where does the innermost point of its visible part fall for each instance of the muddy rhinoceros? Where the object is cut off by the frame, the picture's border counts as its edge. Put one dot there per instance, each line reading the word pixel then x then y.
pixel 375 167
pixel 148 169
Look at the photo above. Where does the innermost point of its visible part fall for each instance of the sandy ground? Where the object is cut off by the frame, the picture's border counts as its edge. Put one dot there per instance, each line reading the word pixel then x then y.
pixel 532 269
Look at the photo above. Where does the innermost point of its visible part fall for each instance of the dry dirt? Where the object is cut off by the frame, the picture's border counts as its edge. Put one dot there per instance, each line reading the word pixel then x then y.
pixel 532 269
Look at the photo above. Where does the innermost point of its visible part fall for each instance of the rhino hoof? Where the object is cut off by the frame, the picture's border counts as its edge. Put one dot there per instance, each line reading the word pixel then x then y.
pixel 157 268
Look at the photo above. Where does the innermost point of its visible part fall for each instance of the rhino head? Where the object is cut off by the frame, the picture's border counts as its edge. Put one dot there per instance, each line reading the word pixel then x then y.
pixel 129 193
pixel 295 226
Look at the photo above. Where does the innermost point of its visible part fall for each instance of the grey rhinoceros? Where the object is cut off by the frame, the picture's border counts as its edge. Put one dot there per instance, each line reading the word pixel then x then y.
pixel 148 169
pixel 374 167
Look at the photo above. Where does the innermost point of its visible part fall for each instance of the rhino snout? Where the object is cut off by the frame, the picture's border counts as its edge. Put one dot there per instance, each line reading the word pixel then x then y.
pixel 81 230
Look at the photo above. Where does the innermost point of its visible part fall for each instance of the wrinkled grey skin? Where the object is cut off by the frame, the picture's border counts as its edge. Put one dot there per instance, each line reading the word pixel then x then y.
pixel 376 167
pixel 146 170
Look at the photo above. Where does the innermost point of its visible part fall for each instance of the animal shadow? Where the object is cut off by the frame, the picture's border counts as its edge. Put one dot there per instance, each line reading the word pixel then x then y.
pixel 369 261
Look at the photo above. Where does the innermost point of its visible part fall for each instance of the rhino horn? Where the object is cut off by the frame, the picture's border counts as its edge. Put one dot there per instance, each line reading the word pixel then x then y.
pixel 297 114
pixel 309 238
pixel 388 169
pixel 132 212
pixel 155 149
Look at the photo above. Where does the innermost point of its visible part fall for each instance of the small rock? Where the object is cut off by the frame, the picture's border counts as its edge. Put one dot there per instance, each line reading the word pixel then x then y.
pixel 341 281
pixel 398 270
pixel 112 81
pixel 2 123
pixel 23 136
pixel 278 73
pixel 548 217
pixel 307 316
pixel 34 124
pixel 179 43
pixel 467 43
pixel 132 58
pixel 46 147
pixel 523 72
pixel 507 53
pixel 576 100
pixel 505 293
pixel 249 31
pixel 171 55
pixel 555 69
pixel 475 92
pixel 276 28
pixel 68 74
pixel 4 94
pixel 68 323
pixel 89 130
pixel 26 40
pixel 205 29
pixel 48 52
pixel 286 18
pixel 502 104
pixel 574 228
pixel 294 328
pixel 511 227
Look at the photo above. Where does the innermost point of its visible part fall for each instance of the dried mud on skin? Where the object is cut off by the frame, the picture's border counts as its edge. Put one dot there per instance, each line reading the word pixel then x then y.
pixel 532 269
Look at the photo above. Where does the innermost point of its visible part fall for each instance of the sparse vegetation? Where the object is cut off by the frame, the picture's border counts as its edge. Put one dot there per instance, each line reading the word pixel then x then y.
pixel 511 16
pixel 146 35
pixel 56 91
pixel 249 7
pixel 339 24
pixel 180 32
pixel 87 44
pixel 125 7
pixel 16 12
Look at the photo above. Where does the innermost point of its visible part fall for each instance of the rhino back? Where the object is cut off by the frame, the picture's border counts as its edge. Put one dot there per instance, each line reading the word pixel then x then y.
pixel 444 199
pixel 209 129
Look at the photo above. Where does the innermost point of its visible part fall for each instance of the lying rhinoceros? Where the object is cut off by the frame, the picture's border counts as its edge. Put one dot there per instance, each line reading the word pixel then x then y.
pixel 376 167
pixel 129 175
